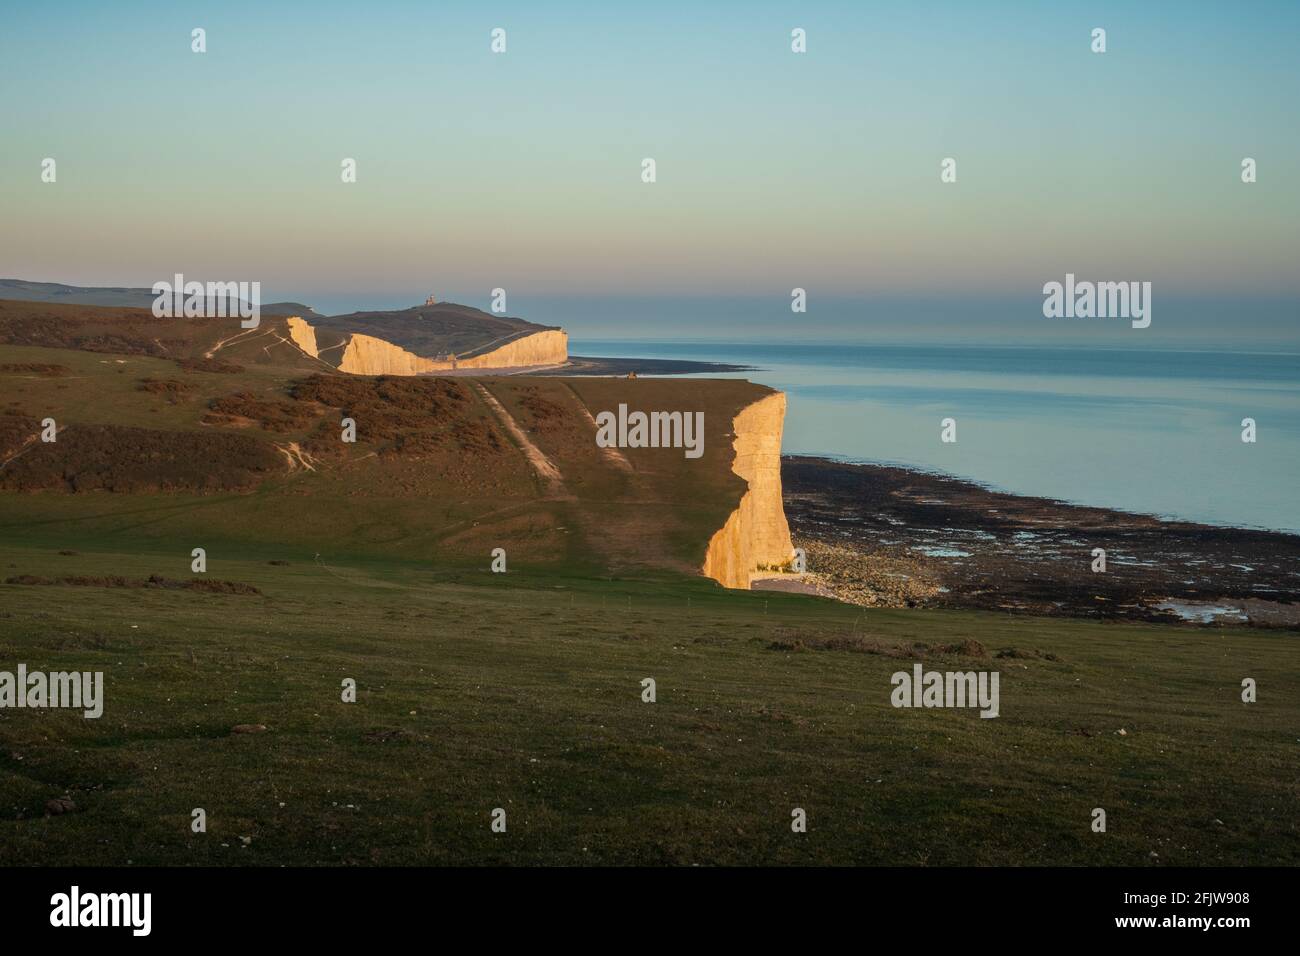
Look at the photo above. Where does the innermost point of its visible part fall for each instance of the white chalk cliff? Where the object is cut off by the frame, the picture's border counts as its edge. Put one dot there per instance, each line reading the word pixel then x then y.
pixel 757 532
pixel 368 355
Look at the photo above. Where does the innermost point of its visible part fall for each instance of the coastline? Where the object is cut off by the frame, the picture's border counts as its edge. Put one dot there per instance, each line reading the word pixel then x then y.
pixel 599 365
pixel 883 535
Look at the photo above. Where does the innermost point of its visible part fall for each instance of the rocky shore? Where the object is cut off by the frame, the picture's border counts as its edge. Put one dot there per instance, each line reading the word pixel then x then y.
pixel 877 535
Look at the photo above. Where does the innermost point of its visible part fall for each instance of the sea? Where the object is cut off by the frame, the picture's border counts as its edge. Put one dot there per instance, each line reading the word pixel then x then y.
pixel 1151 431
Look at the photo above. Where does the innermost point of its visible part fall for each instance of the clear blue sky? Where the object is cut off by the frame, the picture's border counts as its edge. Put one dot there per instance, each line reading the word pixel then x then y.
pixel 775 170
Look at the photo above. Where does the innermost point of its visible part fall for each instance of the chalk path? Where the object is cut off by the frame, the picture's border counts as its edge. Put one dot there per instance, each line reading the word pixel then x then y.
pixel 544 467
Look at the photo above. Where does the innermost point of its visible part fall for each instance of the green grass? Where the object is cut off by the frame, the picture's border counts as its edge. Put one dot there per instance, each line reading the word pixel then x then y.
pixel 449 505
pixel 102 388
pixel 522 691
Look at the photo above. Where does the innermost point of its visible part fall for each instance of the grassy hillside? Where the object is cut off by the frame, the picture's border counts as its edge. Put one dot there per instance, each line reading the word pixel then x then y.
pixel 211 343
pixel 157 453
pixel 522 691
pixel 429 331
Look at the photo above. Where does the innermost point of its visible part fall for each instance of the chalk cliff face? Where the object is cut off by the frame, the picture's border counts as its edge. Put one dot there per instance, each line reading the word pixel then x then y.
pixel 368 355
pixel 303 335
pixel 541 348
pixel 757 532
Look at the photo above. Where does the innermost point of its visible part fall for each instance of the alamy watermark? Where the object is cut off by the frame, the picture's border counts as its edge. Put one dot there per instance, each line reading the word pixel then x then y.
pixel 81 690
pixel 651 430
pixel 212 300
pixel 923 688
pixel 1098 300
pixel 75 908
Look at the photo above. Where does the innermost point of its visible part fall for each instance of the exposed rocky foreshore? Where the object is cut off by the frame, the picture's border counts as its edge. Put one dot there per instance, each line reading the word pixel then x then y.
pixel 884 536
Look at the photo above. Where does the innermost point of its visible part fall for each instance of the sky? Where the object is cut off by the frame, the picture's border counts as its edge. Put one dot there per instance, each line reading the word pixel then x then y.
pixel 775 170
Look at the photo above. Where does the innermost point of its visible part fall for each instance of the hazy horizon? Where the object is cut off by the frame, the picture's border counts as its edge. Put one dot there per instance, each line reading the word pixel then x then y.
pixel 1179 324
pixel 775 170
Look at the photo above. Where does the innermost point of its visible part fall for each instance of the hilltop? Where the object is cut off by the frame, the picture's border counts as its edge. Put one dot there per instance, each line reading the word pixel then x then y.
pixel 440 336
pixel 435 331
pixel 434 338
pixel 21 290
pixel 429 338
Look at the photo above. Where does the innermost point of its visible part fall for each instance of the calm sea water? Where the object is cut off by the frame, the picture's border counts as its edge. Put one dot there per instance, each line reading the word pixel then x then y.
pixel 1157 432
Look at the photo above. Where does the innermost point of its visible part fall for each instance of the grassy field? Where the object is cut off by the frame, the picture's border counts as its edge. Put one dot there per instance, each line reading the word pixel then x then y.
pixel 435 481
pixel 522 691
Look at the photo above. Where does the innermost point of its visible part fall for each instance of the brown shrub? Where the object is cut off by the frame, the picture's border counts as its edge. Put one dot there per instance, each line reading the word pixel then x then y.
pixel 209 585
pixel 966 648
pixel 1016 653
pixel 16 430
pixel 479 436
pixel 789 646
pixel 209 365
pixel 407 416
pixel 153 581
pixel 174 391
pixel 36 368
pixel 852 643
pixel 543 414
pixel 101 581
pixel 93 329
pixel 132 460
pixel 270 415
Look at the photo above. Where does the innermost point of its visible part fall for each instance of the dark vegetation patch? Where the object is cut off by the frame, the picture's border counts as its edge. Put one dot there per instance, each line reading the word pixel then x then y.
pixel 279 563
pixel 965 648
pixel 35 368
pixel 477 435
pixel 209 585
pixel 795 642
pixel 153 581
pixel 541 413
pixel 270 415
pixel 120 331
pixel 119 458
pixel 171 389
pixel 1016 653
pixel 209 365
pixel 409 416
pixel 16 430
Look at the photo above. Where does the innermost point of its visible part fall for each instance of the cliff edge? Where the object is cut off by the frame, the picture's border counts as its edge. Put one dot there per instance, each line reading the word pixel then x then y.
pixel 361 354
pixel 757 532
